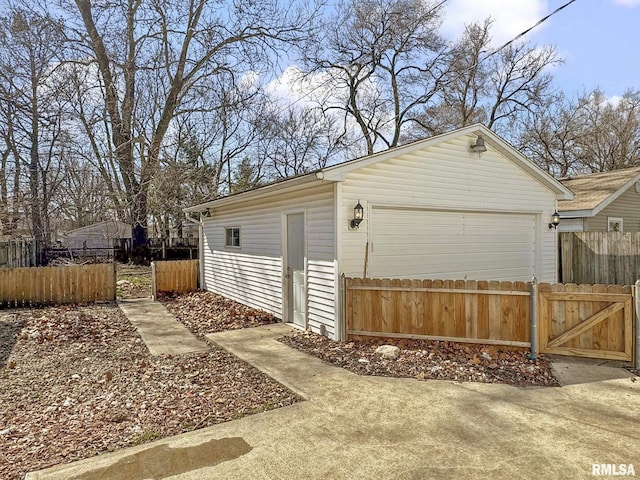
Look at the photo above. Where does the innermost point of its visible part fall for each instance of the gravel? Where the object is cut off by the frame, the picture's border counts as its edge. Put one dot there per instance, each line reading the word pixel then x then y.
pixel 78 381
pixel 423 360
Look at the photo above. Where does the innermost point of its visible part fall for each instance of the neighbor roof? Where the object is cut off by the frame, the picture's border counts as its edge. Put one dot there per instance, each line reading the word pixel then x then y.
pixel 595 191
pixel 338 172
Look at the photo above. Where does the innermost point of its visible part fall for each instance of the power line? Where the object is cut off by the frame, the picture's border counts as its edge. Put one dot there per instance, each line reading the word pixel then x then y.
pixel 476 64
pixel 537 24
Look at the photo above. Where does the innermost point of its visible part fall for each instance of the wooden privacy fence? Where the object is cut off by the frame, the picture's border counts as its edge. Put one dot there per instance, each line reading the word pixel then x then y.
pixel 174 276
pixel 17 253
pixel 579 320
pixel 57 285
pixel 592 321
pixel 610 258
pixel 470 311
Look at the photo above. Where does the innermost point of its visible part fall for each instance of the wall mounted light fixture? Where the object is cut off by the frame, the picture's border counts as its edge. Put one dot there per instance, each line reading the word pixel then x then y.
pixel 478 147
pixel 358 215
pixel 555 221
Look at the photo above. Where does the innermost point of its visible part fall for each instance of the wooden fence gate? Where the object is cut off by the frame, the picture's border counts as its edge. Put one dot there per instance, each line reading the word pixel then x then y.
pixel 593 321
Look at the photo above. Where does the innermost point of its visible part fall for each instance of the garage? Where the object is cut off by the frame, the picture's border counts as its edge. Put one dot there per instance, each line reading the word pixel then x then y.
pixel 450 244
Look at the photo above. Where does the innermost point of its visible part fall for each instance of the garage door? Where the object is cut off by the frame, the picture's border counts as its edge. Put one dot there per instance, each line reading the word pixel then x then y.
pixel 416 243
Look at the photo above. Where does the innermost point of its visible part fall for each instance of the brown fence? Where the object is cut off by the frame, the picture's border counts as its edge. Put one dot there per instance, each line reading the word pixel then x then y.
pixel 470 311
pixel 592 321
pixel 57 285
pixel 174 276
pixel 610 258
pixel 579 320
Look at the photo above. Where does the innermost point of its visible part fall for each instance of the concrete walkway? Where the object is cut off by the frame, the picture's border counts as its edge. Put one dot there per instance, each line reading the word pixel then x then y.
pixel 159 329
pixel 357 427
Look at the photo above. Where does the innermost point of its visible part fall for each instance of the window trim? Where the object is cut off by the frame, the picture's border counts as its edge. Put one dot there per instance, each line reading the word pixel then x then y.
pixel 231 245
pixel 611 220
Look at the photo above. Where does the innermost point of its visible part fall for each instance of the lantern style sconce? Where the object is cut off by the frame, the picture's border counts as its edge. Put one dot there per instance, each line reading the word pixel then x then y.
pixel 358 215
pixel 479 146
pixel 555 220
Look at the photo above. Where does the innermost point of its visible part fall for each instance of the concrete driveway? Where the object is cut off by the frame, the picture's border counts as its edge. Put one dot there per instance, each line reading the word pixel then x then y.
pixel 371 427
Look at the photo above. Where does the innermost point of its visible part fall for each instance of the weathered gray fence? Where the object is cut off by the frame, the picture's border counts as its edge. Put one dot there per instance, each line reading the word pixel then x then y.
pixel 17 253
pixel 610 258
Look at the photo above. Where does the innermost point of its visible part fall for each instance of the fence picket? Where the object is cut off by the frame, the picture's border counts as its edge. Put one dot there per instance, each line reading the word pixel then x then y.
pixel 600 257
pixel 176 275
pixel 460 314
pixel 444 309
pixel 28 286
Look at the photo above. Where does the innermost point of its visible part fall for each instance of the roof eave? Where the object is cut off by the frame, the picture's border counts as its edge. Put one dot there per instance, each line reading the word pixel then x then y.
pixel 575 213
pixel 339 172
pixel 265 191
pixel 614 196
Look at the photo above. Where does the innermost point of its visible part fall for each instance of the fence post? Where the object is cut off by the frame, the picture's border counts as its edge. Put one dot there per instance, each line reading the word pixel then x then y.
pixel 154 286
pixel 636 353
pixel 533 318
pixel 115 281
pixel 341 334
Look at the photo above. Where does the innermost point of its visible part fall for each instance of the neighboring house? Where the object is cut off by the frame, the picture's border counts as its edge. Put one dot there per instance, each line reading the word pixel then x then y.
pixel 603 202
pixel 431 209
pixel 98 235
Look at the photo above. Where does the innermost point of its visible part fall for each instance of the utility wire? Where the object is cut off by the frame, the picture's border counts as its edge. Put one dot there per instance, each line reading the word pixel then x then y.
pixel 476 64
pixel 537 24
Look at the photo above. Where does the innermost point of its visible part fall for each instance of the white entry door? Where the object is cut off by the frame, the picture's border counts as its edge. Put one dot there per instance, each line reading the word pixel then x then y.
pixel 296 288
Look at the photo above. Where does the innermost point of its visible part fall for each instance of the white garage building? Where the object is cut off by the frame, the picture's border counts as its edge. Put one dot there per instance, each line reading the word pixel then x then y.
pixel 431 209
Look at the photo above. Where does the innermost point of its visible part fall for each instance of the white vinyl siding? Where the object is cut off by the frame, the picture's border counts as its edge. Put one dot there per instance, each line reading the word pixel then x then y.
pixel 252 275
pixel 571 225
pixel 447 176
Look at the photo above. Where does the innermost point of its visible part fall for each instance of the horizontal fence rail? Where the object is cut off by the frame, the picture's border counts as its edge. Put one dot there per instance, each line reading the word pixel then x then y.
pixel 593 321
pixel 489 312
pixel 174 276
pixel 20 287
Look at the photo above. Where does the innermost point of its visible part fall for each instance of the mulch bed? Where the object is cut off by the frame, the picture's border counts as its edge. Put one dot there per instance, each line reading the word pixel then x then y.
pixel 79 381
pixel 206 312
pixel 424 360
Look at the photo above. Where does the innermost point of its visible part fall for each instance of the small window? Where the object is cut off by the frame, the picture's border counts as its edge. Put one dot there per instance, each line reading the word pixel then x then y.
pixel 614 224
pixel 232 237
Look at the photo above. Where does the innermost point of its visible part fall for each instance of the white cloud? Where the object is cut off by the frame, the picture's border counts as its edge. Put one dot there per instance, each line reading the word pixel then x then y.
pixel 613 100
pixel 510 17
pixel 627 3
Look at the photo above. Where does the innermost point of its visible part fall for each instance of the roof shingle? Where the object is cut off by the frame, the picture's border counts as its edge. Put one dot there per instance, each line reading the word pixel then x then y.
pixel 591 190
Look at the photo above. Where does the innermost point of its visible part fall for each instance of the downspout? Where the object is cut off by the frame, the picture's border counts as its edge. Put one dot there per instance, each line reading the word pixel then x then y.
pixel 200 223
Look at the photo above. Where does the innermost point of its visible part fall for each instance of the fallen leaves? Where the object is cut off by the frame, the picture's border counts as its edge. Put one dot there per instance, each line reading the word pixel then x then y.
pixel 206 312
pixel 423 360
pixel 78 381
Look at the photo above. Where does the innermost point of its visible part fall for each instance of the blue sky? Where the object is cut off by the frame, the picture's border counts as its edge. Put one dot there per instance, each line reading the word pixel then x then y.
pixel 598 39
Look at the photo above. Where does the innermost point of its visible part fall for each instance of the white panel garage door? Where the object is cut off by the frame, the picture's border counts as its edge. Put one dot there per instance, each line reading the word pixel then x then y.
pixel 416 243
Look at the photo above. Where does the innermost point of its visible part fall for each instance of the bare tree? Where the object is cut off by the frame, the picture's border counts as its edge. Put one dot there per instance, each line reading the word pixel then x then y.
pixel 499 88
pixel 164 51
pixel 36 133
pixel 519 82
pixel 589 134
pixel 11 208
pixel 385 59
pixel 299 140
